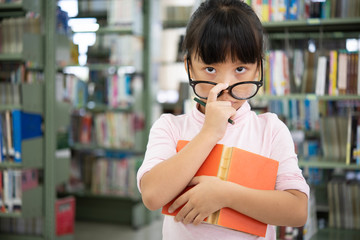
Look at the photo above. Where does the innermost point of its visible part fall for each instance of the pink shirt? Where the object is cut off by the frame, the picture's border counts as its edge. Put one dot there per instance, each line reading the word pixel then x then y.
pixel 263 134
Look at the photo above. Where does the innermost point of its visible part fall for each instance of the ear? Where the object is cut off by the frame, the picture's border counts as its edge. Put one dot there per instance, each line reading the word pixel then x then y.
pixel 258 71
pixel 186 62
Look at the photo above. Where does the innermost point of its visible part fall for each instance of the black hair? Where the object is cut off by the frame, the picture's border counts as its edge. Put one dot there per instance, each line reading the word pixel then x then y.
pixel 220 27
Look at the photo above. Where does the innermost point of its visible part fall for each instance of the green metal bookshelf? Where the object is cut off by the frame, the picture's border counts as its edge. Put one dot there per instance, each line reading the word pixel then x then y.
pixel 39 53
pixel 125 209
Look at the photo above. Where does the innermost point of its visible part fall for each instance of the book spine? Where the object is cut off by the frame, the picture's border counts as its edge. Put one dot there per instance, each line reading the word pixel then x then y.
pixel 222 174
pixel 2 152
pixel 16 121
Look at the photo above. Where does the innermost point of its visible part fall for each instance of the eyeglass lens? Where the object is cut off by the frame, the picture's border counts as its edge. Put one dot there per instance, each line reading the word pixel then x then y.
pixel 241 91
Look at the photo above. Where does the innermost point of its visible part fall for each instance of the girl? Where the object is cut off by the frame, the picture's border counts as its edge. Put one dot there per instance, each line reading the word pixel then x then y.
pixel 223 59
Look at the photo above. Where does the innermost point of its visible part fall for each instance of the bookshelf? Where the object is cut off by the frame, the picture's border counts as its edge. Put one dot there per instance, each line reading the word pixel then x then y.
pixel 286 35
pixel 36 53
pixel 322 169
pixel 100 199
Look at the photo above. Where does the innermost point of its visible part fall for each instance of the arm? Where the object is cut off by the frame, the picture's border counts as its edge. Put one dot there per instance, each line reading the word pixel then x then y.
pixel 168 178
pixel 273 207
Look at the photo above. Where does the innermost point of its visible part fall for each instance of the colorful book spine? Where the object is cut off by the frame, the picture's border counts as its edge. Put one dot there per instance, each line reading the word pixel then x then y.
pixel 2 148
pixel 25 126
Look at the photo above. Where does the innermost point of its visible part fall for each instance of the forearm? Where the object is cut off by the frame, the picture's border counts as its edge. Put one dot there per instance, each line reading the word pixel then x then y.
pixel 275 207
pixel 167 179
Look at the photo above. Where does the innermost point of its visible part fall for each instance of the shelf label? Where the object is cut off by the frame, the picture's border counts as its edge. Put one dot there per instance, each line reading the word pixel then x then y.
pixel 313 21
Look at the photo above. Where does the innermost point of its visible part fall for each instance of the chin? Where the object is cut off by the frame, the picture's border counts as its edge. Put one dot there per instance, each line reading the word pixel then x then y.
pixel 237 105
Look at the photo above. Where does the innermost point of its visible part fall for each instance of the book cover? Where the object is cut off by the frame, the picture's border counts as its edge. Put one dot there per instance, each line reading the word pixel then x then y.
pixel 2 157
pixel 333 72
pixel 321 76
pixel 342 72
pixel 242 167
pixel 25 126
pixel 65 216
pixel 29 179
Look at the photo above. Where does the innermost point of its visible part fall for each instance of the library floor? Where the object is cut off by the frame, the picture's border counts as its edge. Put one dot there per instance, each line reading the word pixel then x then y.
pixel 96 231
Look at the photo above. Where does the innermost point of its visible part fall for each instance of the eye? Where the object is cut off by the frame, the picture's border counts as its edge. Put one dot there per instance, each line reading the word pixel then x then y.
pixel 210 70
pixel 240 69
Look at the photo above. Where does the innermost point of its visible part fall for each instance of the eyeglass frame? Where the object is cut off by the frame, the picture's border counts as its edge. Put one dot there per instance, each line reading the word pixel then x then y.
pixel 229 88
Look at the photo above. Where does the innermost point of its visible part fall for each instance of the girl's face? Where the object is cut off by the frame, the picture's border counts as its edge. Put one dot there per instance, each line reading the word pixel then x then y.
pixel 227 72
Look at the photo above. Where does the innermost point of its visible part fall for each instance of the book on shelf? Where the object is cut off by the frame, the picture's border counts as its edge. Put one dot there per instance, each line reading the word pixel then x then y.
pixel 119 92
pixel 7 140
pixel 333 73
pixel 14 183
pixel 280 10
pixel 108 174
pixel 31 226
pixel 353 138
pixel 242 167
pixel 321 76
pixel 17 126
pixel 126 14
pixel 344 203
pixel 13 29
pixel 25 126
pixel 65 216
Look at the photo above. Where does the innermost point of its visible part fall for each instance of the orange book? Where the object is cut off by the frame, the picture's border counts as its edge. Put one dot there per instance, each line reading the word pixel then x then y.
pixel 238 166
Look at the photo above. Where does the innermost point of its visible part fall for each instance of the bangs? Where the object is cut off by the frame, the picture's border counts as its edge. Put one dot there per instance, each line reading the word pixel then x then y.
pixel 225 33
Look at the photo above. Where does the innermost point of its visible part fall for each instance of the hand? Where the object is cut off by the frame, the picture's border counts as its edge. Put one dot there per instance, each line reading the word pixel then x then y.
pixel 203 199
pixel 217 112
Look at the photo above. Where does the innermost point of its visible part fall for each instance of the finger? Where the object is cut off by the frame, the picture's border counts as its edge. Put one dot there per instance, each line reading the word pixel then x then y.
pixel 189 218
pixel 180 201
pixel 198 219
pixel 215 91
pixel 183 212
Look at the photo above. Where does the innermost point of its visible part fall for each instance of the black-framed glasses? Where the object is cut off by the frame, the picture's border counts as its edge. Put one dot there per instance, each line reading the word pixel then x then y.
pixel 242 90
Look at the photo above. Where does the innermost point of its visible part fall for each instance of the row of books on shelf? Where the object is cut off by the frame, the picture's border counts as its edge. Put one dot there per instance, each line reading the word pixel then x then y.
pixel 113 90
pixel 122 13
pixel 30 226
pixel 126 14
pixel 70 88
pixel 10 94
pixel 19 73
pixel 280 10
pixel 178 13
pixel 11 1
pixel 340 138
pixel 341 144
pixel 104 175
pixel 109 129
pixel 64 218
pixel 344 203
pixel 297 114
pixel 12 31
pixel 15 127
pixel 126 50
pixel 334 73
pixel 12 185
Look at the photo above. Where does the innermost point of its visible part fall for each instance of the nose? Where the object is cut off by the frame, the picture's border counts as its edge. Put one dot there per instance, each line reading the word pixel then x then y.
pixel 226 90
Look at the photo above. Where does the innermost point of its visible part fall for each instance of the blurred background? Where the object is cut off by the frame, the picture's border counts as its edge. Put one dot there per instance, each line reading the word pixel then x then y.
pixel 82 81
